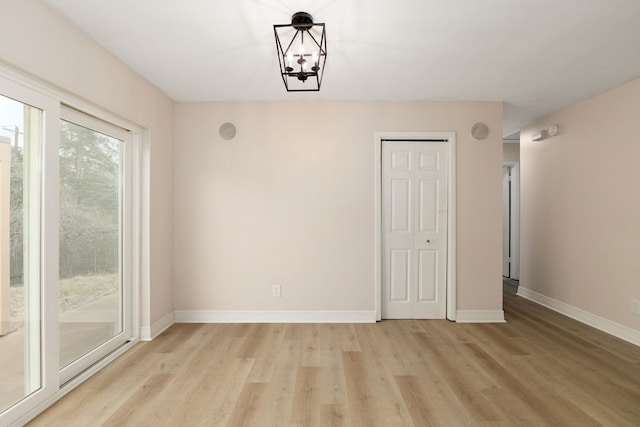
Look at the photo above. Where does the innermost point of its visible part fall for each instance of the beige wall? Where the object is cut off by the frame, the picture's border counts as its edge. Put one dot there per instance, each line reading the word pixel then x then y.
pixel 291 201
pixel 580 209
pixel 510 152
pixel 42 43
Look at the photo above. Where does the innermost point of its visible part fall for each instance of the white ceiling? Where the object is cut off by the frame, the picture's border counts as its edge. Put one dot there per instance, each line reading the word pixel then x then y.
pixel 538 56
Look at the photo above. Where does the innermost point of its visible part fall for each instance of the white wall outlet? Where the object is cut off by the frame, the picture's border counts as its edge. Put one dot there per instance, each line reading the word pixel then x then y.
pixel 276 291
pixel 635 306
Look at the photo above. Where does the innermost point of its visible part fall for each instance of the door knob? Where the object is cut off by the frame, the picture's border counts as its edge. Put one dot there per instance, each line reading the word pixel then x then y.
pixel 428 241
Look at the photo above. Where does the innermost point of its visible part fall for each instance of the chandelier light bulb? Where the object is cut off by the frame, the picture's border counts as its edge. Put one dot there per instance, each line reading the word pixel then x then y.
pixel 315 67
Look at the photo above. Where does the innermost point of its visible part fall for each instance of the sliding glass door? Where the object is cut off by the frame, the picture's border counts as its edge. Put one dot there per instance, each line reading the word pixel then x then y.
pixel 66 246
pixel 20 349
pixel 95 294
pixel 28 270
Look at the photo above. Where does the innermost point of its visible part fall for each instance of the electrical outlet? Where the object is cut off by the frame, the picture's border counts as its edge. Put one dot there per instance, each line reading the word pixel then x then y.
pixel 276 291
pixel 635 306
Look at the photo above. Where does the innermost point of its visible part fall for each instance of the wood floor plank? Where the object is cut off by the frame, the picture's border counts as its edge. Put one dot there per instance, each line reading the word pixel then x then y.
pixel 175 337
pixel 143 398
pixel 311 346
pixel 393 346
pixel 430 406
pixel 349 339
pixel 282 385
pixel 246 410
pixel 306 405
pixel 386 396
pixel 265 361
pixel 538 369
pixel 334 415
pixel 213 400
pixel 362 407
pixel 253 340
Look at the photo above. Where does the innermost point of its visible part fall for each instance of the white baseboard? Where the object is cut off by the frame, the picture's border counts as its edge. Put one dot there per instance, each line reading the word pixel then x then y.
pixel 605 325
pixel 233 316
pixel 147 333
pixel 480 316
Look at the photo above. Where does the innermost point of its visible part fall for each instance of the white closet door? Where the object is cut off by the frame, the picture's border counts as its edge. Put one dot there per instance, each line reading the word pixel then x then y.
pixel 414 235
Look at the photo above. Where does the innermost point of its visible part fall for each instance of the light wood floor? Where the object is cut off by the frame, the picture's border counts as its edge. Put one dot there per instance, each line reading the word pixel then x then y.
pixel 539 369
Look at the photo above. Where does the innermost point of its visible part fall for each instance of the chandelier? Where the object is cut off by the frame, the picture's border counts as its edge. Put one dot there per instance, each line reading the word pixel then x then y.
pixel 302 52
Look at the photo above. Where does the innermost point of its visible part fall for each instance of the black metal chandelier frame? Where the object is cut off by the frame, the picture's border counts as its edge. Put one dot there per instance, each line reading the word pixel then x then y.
pixel 302 70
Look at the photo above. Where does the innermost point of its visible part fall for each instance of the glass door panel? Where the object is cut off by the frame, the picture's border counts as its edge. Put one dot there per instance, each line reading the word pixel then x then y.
pixel 20 298
pixel 92 289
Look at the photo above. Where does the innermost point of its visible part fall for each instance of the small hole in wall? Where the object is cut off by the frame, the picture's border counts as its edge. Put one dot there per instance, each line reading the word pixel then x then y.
pixel 227 131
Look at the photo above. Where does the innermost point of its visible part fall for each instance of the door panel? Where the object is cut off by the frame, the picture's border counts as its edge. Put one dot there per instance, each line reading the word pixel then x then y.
pixel 400 205
pixel 90 284
pixel 20 334
pixel 427 276
pixel 94 301
pixel 401 160
pixel 400 275
pixel 429 161
pixel 414 192
pixel 28 350
pixel 427 210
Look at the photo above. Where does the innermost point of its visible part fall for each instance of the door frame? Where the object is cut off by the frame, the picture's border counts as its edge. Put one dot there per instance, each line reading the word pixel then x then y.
pixel 450 139
pixel 514 228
